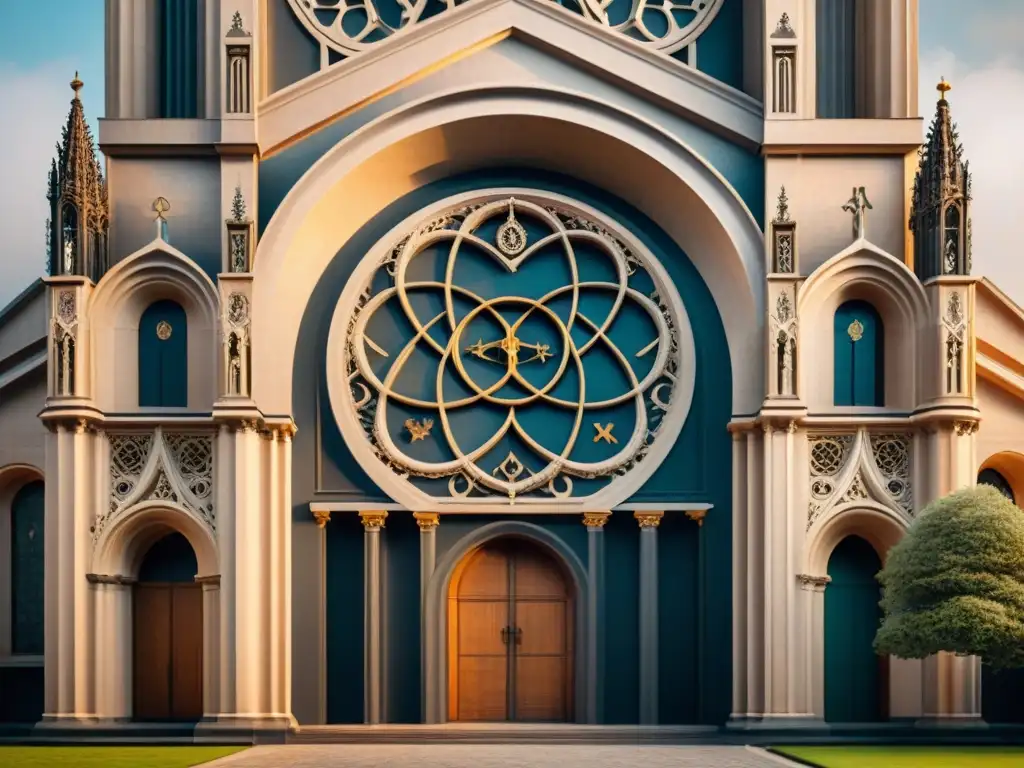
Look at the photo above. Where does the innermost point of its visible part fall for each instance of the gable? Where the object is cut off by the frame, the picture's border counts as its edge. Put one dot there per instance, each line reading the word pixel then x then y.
pixel 530 67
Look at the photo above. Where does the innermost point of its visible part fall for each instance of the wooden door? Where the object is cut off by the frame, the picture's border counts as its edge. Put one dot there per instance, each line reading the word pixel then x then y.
pixel 168 652
pixel 511 634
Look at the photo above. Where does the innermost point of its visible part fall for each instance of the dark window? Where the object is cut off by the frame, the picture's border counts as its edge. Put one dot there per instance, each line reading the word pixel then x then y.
pixel 859 374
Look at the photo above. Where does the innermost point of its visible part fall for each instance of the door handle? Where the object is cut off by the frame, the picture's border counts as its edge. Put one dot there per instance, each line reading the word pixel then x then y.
pixel 505 631
pixel 519 635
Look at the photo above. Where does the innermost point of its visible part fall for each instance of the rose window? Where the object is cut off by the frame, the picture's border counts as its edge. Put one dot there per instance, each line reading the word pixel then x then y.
pixel 511 350
pixel 352 26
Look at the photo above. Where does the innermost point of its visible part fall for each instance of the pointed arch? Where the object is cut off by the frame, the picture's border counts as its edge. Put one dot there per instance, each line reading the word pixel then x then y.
pixel 863 272
pixel 156 272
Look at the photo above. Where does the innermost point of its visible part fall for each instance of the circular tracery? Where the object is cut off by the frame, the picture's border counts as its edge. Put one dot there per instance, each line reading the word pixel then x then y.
pixel 353 26
pixel 521 376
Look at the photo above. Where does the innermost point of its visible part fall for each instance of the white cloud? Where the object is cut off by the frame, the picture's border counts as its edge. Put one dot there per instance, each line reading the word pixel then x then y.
pixel 987 102
pixel 36 103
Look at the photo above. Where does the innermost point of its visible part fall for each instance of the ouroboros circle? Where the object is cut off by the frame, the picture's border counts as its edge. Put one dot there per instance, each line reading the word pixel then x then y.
pixel 345 402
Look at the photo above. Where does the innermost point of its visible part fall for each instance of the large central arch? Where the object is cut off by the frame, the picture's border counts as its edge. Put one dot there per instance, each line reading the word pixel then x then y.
pixel 561 131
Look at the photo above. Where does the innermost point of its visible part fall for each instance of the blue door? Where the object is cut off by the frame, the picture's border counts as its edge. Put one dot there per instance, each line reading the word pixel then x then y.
pixel 27 569
pixel 859 375
pixel 856 685
pixel 163 356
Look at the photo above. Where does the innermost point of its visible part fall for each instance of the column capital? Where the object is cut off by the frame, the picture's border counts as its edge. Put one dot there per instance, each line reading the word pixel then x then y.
pixel 212 580
pixel 596 520
pixel 427 521
pixel 648 519
pixel 697 515
pixel 323 517
pixel 813 583
pixel 373 520
pixel 964 428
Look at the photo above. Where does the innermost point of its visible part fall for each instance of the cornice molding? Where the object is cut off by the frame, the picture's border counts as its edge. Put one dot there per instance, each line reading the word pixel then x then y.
pixel 342 89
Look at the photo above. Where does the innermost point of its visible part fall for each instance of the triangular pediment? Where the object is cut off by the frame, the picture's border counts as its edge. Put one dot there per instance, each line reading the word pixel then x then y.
pixel 426 48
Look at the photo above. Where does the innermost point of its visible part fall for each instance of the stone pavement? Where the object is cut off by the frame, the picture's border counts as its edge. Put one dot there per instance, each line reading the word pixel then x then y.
pixel 497 756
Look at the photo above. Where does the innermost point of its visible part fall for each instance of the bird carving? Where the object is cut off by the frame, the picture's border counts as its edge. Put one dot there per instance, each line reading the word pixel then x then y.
pixel 419 430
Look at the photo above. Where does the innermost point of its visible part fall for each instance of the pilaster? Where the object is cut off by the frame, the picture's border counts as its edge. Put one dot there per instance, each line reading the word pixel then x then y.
pixel 595 522
pixel 373 616
pixel 427 522
pixel 648 601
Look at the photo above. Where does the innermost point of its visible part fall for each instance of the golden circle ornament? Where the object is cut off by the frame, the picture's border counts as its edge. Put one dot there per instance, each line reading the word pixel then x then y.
pixel 163 330
pixel 856 330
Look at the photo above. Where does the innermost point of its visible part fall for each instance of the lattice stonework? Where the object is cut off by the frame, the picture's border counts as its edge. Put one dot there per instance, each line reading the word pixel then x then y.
pixel 176 468
pixel 854 467
pixel 544 363
pixel 355 26
pixel 892 457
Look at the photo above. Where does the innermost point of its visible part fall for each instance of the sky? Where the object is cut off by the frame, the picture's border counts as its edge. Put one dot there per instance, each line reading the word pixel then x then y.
pixel 977 46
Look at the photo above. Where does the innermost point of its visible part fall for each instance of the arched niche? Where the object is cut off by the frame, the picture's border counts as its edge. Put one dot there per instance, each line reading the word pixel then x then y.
pixel 163 356
pixel 22 534
pixel 157 273
pixel 863 273
pixel 1005 472
pixel 858 349
pixel 563 132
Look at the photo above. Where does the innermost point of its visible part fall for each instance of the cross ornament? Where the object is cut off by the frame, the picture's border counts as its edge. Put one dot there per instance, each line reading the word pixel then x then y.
pixel 858 205
pixel 604 432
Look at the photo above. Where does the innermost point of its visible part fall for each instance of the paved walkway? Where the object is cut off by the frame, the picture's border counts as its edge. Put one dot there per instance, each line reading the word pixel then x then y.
pixel 496 756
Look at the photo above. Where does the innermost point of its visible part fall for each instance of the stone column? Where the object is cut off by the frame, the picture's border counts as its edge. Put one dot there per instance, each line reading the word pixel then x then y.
pixel 211 645
pixel 595 522
pixel 812 597
pixel 373 618
pixel 113 644
pixel 428 522
pixel 648 522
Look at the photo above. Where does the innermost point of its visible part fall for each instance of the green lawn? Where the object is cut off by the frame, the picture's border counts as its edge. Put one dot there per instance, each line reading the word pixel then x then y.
pixel 111 757
pixel 908 757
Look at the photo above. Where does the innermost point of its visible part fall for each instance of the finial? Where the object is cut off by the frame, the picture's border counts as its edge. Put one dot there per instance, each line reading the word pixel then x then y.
pixel 859 205
pixel 236 21
pixel 76 84
pixel 943 88
pixel 238 205
pixel 161 206
pixel 782 210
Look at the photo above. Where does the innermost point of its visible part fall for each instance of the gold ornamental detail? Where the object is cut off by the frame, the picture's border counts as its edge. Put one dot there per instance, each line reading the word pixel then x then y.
pixel 373 521
pixel 596 519
pixel 856 331
pixel 427 521
pixel 697 515
pixel 648 519
pixel 163 330
pixel 322 517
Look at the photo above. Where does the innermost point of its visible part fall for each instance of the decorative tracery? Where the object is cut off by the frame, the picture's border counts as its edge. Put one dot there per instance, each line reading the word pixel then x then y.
pixel 352 26
pixel 512 348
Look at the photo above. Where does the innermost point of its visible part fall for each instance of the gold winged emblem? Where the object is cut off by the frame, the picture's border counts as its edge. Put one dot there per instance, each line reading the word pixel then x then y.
pixel 419 430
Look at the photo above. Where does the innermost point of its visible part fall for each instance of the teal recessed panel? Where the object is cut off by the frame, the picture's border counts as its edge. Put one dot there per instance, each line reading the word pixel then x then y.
pixel 27 569
pixel 345 620
pixel 163 356
pixel 859 355
pixel 170 560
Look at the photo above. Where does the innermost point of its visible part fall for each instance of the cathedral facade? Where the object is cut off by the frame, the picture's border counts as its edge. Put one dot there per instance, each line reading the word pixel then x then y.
pixel 496 361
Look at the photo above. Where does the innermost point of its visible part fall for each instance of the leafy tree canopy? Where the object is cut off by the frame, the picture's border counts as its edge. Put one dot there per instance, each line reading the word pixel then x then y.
pixel 956 581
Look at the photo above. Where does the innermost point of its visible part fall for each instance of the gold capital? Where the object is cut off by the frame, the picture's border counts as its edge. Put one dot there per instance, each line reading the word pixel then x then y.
pixel 595 519
pixel 648 519
pixel 323 517
pixel 373 520
pixel 427 521
pixel 697 515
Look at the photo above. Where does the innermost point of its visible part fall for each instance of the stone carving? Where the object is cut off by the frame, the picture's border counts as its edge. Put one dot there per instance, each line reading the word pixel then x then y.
pixel 784 352
pixel 784 237
pixel 176 468
pixel 850 468
pixel 859 205
pixel 65 332
pixel 353 27
pixel 510 356
pixel 955 324
pixel 236 345
pixel 784 28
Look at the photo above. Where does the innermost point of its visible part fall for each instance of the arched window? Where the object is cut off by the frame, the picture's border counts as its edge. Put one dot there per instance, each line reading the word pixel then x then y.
pixel 27 570
pixel 163 356
pixel 859 374
pixel 997 481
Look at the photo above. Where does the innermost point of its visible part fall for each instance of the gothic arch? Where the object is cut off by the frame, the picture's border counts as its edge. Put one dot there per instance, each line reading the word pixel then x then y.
pixel 123 544
pixel 1010 465
pixel 873 522
pixel 156 272
pixel 440 135
pixel 867 273
pixel 435 609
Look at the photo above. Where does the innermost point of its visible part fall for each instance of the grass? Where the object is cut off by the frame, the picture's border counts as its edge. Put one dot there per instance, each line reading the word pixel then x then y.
pixel 111 757
pixel 907 757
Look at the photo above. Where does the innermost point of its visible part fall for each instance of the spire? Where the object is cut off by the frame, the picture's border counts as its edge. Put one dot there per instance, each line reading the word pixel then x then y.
pixel 78 198
pixel 940 215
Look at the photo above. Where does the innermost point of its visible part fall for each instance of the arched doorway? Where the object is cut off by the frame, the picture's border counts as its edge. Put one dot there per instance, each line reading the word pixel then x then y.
pixel 168 634
pixel 856 678
pixel 510 636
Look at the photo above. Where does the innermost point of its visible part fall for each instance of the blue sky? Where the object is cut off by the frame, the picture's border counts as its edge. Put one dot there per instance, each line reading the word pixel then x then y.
pixel 978 46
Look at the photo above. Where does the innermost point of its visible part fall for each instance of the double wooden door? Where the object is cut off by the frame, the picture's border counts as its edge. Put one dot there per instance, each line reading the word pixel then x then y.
pixel 168 652
pixel 510 635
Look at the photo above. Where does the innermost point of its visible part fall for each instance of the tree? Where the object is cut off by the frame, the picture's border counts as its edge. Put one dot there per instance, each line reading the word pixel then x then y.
pixel 956 581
